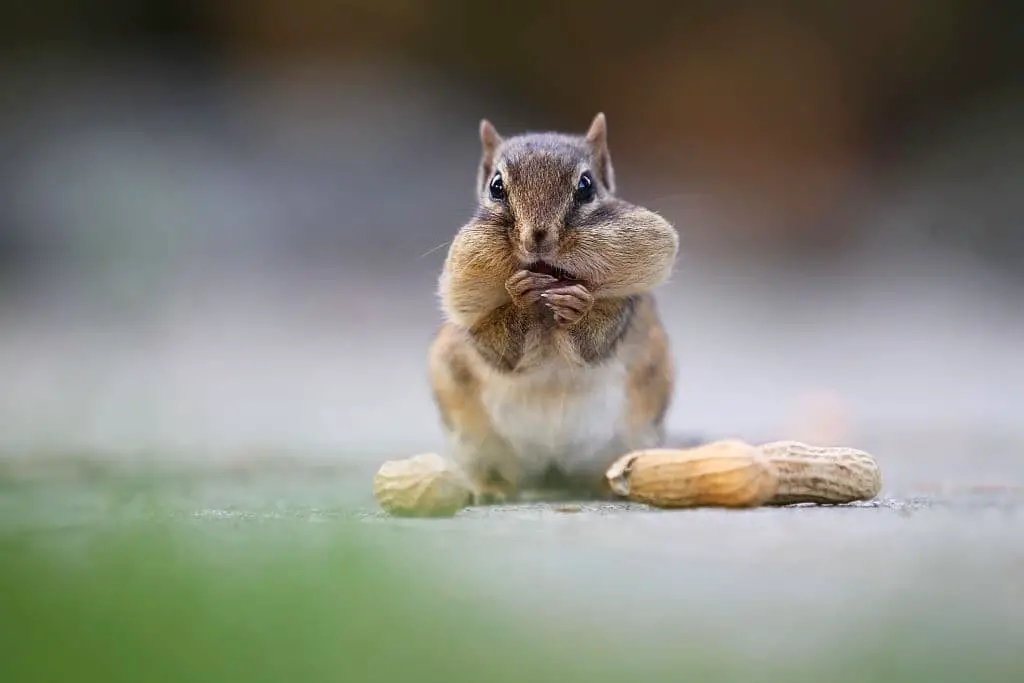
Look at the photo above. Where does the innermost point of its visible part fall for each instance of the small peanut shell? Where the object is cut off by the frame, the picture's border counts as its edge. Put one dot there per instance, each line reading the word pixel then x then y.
pixel 425 485
pixel 727 473
pixel 814 474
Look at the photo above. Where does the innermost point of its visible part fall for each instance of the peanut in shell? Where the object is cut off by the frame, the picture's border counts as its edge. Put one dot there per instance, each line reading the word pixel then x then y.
pixel 824 475
pixel 728 474
pixel 425 485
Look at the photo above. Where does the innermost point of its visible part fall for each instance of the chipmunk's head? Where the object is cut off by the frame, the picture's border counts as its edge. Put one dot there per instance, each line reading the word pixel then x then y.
pixel 543 188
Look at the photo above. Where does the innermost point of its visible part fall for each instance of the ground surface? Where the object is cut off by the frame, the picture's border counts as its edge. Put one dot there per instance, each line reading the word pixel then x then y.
pixel 236 543
pixel 911 587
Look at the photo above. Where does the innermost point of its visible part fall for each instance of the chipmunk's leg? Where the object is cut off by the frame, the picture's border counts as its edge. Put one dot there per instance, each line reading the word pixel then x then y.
pixel 488 461
pixel 650 382
pixel 490 465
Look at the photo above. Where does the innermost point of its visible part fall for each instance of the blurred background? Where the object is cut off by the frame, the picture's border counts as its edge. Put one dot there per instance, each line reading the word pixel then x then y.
pixel 221 222
pixel 221 226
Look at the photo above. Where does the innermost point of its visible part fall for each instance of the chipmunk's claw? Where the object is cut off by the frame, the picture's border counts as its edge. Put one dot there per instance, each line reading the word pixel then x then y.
pixel 526 287
pixel 569 303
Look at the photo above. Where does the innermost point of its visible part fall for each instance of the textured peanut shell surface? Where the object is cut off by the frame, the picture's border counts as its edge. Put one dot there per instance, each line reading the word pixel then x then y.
pixel 425 485
pixel 824 475
pixel 727 473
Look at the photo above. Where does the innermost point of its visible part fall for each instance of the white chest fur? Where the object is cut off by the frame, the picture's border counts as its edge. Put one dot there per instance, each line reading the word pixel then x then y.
pixel 571 417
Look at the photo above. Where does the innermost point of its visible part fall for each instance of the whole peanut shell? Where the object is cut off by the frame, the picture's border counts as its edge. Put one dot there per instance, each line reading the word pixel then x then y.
pixel 425 485
pixel 728 473
pixel 824 475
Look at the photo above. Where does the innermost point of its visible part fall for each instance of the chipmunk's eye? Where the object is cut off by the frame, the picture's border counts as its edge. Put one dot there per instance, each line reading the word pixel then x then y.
pixel 497 188
pixel 585 189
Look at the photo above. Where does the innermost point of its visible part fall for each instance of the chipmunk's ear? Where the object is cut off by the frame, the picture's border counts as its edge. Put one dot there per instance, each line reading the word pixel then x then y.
pixel 597 138
pixel 597 135
pixel 489 141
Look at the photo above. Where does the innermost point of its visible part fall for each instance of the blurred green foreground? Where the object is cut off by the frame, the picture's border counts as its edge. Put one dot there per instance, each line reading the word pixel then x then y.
pixel 142 593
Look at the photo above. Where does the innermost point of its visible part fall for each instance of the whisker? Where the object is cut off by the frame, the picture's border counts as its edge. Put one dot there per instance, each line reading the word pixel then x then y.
pixel 433 249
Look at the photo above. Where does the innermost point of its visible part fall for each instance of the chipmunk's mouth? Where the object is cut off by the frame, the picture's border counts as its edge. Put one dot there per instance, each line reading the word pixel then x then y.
pixel 545 268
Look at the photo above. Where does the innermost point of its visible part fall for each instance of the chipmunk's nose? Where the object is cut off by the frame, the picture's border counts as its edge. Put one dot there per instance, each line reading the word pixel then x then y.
pixel 538 240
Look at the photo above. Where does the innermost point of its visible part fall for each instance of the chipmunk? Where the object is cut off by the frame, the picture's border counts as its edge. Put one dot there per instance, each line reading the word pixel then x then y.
pixel 551 361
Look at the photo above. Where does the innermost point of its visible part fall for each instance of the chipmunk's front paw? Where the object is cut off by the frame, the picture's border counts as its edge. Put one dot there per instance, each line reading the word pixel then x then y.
pixel 569 304
pixel 525 287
